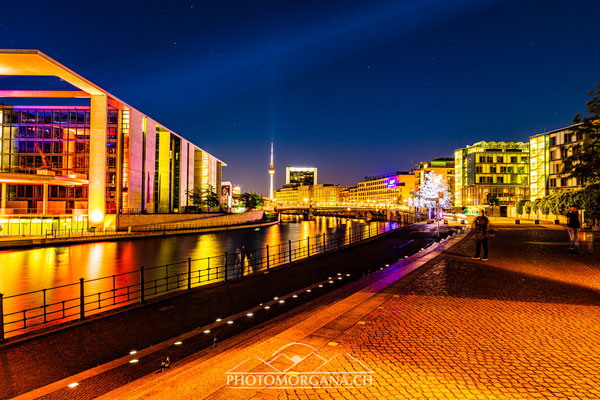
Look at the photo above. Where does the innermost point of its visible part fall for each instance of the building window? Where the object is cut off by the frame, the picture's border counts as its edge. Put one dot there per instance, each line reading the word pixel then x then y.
pixel 553 141
pixel 479 169
pixel 500 159
pixel 492 169
pixel 567 137
pixel 524 159
pixel 500 179
pixel 578 136
pixel 513 160
pixel 563 182
pixel 552 182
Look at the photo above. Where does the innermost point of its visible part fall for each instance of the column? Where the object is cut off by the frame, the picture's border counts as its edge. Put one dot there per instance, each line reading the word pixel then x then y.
pixel 97 169
pixel 3 198
pixel 45 199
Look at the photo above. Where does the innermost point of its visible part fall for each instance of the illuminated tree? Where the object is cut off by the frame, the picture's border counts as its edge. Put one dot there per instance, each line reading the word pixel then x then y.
pixel 428 193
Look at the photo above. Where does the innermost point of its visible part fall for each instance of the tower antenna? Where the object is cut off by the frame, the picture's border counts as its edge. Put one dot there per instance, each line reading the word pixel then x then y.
pixel 271 174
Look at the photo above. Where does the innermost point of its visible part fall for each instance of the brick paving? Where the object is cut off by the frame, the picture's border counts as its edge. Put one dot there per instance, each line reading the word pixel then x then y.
pixel 523 325
pixel 40 361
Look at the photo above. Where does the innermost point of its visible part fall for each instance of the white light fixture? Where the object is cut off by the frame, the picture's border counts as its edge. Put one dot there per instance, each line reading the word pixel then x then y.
pixel 207 331
pixel 178 343
pixel 132 352
pixel 134 361
pixel 229 322
pixel 249 314
pixel 218 319
pixel 73 385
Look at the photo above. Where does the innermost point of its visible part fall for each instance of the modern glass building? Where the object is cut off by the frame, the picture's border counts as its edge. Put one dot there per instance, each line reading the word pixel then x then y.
pixel 486 168
pixel 86 164
pixel 300 176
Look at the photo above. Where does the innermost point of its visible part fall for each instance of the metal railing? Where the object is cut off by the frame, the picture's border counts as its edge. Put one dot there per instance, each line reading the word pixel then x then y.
pixel 78 300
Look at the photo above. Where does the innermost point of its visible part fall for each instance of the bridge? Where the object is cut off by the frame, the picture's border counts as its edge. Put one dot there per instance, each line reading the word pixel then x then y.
pixel 368 213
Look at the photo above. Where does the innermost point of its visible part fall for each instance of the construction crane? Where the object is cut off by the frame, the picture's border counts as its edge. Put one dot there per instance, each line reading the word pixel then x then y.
pixel 46 166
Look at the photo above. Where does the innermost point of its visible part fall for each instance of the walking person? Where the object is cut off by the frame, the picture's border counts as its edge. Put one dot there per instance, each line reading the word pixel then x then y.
pixel 573 226
pixel 481 231
pixel 165 364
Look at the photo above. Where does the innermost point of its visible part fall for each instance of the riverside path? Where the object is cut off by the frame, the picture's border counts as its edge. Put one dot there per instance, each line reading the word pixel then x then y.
pixel 523 325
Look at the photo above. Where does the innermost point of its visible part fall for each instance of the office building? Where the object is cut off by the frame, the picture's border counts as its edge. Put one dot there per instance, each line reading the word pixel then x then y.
pixel 384 190
pixel 547 151
pixel 491 168
pixel 83 165
pixel 441 166
pixel 300 176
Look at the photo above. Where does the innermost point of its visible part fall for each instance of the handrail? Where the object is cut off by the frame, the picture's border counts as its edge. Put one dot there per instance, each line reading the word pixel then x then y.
pixel 50 306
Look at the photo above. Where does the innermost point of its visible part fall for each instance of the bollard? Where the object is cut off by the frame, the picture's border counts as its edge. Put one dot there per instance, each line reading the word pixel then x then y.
pixel 81 300
pixel 290 248
pixel 44 306
pixel 1 318
pixel 189 273
pixel 268 265
pixel 142 285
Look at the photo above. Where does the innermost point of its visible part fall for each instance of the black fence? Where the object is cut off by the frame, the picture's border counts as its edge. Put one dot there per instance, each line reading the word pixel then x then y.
pixel 41 308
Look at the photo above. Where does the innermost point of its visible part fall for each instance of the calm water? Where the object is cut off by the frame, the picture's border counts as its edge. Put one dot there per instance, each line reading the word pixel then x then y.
pixel 33 269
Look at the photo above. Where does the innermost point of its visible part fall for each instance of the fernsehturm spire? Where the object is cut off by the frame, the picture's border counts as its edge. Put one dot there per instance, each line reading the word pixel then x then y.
pixel 271 173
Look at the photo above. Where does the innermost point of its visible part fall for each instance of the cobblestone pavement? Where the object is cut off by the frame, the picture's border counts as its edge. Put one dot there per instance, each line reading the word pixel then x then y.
pixel 523 325
pixel 41 361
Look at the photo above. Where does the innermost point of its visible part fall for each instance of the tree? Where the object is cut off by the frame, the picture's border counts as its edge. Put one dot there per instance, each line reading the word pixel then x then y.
pixel 251 201
pixel 211 198
pixel 520 206
pixel 583 162
pixel 204 198
pixel 429 191
pixel 493 201
pixel 527 207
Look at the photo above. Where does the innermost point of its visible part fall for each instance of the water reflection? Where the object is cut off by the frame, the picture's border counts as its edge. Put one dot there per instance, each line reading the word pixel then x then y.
pixel 30 270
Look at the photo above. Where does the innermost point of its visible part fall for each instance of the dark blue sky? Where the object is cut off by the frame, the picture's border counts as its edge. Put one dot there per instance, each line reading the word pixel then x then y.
pixel 355 88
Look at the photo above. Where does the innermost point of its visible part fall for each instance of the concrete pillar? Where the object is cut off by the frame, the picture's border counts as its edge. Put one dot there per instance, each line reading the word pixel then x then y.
pixel 45 199
pixel 3 196
pixel 97 169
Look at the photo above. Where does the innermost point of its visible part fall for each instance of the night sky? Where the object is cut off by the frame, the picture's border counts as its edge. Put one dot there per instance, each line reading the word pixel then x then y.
pixel 355 88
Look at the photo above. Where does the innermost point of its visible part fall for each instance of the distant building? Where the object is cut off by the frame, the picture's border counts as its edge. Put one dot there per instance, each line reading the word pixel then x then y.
pixel 546 161
pixel 320 195
pixel 389 189
pixel 441 166
pixel 485 168
pixel 301 176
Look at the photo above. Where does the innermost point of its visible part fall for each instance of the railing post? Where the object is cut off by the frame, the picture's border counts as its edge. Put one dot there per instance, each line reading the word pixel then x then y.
pixel 44 306
pixel 307 246
pixel 114 290
pixel 1 318
pixel 226 266
pixel 338 238
pixel 349 234
pixel 324 243
pixel 142 284
pixel 290 248
pixel 81 300
pixel 268 261
pixel 189 273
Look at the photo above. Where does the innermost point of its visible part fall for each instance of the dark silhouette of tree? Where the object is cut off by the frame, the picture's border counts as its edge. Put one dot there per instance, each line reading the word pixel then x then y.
pixel 583 159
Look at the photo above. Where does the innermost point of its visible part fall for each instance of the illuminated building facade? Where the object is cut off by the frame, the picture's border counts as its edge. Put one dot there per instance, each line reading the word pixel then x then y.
pixel 546 169
pixel 89 162
pixel 499 168
pixel 301 176
pixel 441 166
pixel 321 194
pixel 391 189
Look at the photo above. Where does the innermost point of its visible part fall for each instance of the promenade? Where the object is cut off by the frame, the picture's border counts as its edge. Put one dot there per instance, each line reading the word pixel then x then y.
pixel 96 353
pixel 524 324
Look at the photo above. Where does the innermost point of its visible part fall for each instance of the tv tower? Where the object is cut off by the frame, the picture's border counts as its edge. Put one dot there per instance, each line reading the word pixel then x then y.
pixel 271 173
